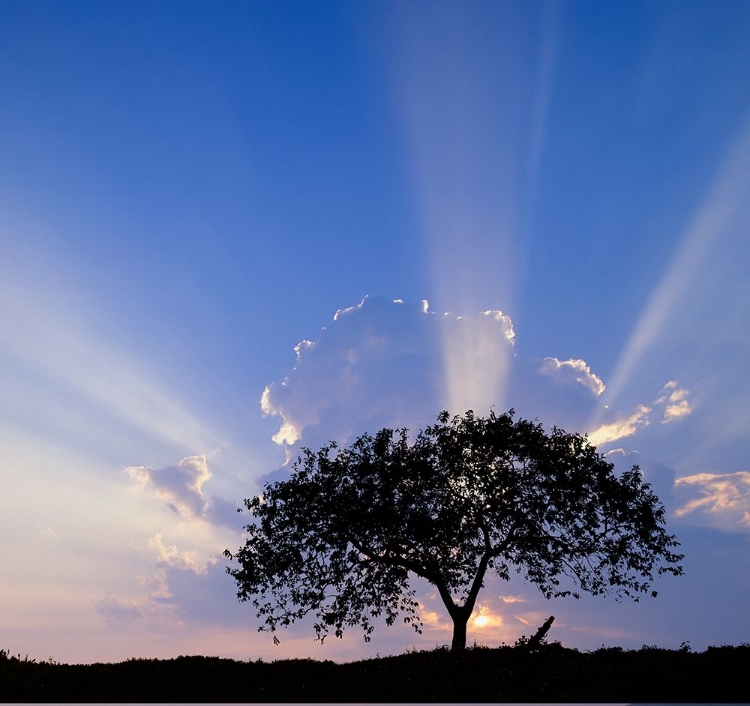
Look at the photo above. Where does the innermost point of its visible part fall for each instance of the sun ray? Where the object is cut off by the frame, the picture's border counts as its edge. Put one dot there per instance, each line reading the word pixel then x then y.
pixel 729 192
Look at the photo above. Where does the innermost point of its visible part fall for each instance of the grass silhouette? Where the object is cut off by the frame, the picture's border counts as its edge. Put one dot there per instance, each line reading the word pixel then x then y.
pixel 479 674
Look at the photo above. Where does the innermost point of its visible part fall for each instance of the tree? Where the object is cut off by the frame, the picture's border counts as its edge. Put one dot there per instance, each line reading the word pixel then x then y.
pixel 342 538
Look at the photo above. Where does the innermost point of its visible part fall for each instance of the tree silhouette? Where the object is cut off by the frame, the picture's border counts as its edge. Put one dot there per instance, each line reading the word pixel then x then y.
pixel 342 537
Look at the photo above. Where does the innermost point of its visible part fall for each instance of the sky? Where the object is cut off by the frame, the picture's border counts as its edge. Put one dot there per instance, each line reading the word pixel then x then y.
pixel 231 230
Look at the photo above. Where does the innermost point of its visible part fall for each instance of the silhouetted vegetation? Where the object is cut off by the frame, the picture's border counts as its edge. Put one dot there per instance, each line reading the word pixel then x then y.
pixel 343 537
pixel 547 673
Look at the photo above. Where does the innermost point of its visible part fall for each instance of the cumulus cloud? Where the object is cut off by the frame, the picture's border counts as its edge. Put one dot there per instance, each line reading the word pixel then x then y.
pixel 182 590
pixel 392 364
pixel 185 591
pixel 722 499
pixel 675 401
pixel 672 402
pixel 389 363
pixel 435 619
pixel 572 371
pixel 621 428
pixel 375 364
pixel 178 587
pixel 181 488
pixel 476 355
pixel 171 556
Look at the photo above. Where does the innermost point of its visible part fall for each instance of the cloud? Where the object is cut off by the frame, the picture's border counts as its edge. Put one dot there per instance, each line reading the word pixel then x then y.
pixel 477 358
pixel 675 400
pixel 207 596
pixel 171 556
pixel 513 599
pixel 721 498
pixel 438 620
pixel 375 364
pixel 156 585
pixel 534 618
pixel 389 363
pixel 572 371
pixel 621 428
pixel 483 618
pixel 181 488
pixel 182 590
pixel 114 610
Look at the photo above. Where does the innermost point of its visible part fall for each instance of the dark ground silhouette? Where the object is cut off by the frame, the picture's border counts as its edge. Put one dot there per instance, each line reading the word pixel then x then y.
pixel 549 673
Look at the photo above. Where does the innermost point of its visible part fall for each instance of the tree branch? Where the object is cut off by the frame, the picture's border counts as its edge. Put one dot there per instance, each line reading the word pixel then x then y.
pixel 390 560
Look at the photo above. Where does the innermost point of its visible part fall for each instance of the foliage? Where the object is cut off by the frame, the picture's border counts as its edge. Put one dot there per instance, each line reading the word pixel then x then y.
pixel 343 536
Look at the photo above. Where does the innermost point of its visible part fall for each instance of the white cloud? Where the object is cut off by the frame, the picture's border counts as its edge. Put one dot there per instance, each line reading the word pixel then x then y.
pixel 476 358
pixel 171 556
pixel 513 599
pixel 570 371
pixel 675 401
pixel 387 363
pixel 181 488
pixel 621 428
pixel 721 498
pixel 375 364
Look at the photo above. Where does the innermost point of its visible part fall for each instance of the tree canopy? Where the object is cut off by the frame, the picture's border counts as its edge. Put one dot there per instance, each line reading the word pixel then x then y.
pixel 343 537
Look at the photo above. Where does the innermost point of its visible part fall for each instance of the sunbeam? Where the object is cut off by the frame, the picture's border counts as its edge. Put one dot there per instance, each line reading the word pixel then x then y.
pixel 468 171
pixel 548 48
pixel 51 343
pixel 476 358
pixel 712 221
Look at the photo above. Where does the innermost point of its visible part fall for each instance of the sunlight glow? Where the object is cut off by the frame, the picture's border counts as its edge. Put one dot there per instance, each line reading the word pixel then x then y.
pixel 485 618
pixel 476 358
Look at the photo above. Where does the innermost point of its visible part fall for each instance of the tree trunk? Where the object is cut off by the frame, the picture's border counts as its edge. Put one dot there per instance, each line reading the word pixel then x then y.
pixel 541 633
pixel 459 631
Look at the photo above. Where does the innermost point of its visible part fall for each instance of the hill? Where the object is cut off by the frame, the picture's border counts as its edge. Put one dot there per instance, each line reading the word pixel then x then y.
pixel 551 673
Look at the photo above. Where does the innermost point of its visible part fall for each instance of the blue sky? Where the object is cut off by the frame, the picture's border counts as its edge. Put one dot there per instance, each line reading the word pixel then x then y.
pixel 230 230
